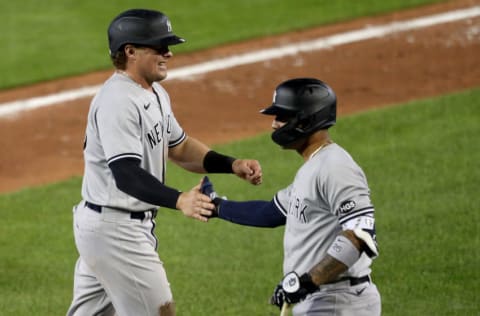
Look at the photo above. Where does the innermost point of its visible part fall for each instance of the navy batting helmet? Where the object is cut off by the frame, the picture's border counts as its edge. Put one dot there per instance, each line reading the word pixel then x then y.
pixel 306 105
pixel 141 27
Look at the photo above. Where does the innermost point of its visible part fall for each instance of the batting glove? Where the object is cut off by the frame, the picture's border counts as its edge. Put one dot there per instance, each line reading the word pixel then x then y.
pixel 207 189
pixel 293 289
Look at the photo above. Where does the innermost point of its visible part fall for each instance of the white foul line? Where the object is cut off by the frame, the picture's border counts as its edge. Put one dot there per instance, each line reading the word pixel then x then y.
pixel 254 57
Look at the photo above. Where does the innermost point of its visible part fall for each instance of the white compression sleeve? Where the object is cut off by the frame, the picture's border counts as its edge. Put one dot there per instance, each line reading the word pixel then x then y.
pixel 344 251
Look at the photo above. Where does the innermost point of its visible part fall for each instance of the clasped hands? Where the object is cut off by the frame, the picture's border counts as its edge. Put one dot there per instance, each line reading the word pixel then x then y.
pixel 201 202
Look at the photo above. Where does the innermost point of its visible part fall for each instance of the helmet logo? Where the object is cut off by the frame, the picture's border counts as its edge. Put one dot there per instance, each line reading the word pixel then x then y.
pixel 169 26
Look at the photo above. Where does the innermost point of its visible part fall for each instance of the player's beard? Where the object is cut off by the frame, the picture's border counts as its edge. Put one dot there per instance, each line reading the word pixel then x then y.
pixel 161 71
pixel 155 75
pixel 153 71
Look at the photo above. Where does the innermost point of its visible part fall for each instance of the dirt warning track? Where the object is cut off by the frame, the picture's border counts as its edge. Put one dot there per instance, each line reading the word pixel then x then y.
pixel 45 145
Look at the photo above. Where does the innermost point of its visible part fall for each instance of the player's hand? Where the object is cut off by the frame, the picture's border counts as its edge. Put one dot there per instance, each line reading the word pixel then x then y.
pixel 248 169
pixel 278 296
pixel 206 187
pixel 195 204
pixel 293 289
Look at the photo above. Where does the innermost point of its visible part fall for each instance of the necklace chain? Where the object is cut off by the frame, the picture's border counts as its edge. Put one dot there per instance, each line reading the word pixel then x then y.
pixel 319 148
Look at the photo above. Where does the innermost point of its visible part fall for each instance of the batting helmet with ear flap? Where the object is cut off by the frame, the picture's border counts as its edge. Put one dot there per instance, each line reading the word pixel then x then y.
pixel 306 105
pixel 141 27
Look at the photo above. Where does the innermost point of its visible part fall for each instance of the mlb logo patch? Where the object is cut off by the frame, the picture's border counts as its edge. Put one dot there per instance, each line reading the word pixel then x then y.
pixel 346 207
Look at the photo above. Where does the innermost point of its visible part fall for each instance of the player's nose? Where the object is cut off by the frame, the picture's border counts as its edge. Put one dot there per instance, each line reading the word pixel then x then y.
pixel 277 124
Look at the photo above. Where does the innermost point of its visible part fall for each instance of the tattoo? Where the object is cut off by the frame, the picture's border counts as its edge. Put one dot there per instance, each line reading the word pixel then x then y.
pixel 329 268
pixel 168 309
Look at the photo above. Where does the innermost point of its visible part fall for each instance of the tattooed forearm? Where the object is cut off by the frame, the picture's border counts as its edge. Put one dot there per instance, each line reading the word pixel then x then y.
pixel 327 270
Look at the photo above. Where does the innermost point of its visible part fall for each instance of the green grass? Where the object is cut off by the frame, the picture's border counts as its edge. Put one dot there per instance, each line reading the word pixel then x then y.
pixel 421 160
pixel 44 40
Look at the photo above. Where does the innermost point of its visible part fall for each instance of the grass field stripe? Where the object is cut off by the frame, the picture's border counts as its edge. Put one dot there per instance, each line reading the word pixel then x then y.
pixel 262 55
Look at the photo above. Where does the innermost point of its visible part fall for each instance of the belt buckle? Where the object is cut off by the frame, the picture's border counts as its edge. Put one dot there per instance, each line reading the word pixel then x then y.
pixel 137 215
pixel 142 215
pixel 93 207
pixel 360 280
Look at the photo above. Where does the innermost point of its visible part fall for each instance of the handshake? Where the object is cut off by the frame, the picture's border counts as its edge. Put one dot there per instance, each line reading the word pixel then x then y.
pixel 207 189
pixel 292 288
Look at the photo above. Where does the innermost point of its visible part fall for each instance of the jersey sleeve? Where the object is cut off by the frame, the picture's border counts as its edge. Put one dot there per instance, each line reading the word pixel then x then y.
pixel 281 200
pixel 177 134
pixel 347 191
pixel 175 131
pixel 119 128
pixel 349 197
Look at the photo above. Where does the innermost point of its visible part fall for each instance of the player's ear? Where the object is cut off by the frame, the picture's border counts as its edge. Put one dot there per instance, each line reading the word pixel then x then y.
pixel 129 50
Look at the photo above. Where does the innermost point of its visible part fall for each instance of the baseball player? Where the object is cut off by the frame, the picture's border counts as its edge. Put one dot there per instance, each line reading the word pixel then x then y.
pixel 329 239
pixel 131 131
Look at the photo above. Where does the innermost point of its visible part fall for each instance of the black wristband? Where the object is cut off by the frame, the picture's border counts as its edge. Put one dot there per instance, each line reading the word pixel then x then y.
pixel 217 163
pixel 307 283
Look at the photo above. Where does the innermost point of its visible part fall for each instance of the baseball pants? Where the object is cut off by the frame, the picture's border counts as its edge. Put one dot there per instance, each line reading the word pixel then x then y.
pixel 341 299
pixel 118 271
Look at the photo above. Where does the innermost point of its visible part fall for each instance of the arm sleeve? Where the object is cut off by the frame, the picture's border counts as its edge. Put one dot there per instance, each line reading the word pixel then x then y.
pixel 251 213
pixel 137 182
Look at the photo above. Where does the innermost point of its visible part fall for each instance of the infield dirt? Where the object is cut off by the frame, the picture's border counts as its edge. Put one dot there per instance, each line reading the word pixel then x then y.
pixel 45 145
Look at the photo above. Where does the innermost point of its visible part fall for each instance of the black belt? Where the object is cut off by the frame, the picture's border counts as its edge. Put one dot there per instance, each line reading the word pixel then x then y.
pixel 353 281
pixel 360 280
pixel 133 215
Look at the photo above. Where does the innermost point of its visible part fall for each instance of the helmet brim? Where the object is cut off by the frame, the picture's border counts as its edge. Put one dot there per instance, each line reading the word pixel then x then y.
pixel 274 109
pixel 271 110
pixel 174 40
pixel 166 41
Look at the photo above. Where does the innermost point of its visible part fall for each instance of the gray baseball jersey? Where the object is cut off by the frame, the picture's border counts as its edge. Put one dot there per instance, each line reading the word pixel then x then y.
pixel 329 194
pixel 126 120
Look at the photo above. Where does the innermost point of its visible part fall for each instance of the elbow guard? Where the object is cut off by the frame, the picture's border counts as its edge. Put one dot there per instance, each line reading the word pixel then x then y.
pixel 370 244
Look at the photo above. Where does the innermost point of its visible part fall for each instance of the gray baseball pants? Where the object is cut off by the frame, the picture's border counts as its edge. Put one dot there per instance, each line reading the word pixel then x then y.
pixel 119 271
pixel 341 299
